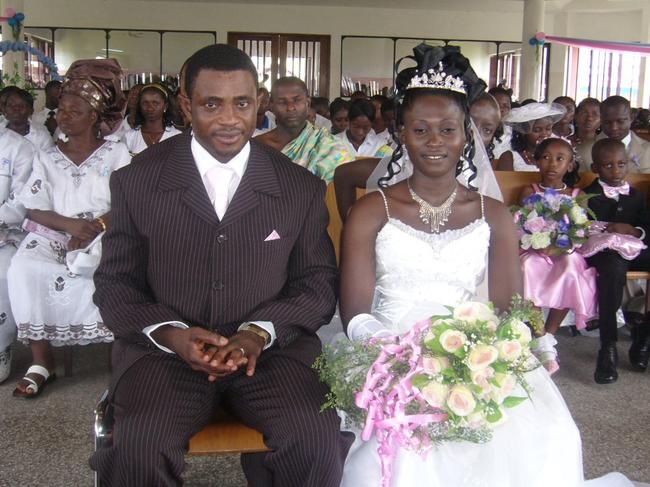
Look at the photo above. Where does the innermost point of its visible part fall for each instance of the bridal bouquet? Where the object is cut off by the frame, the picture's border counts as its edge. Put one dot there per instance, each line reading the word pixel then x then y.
pixel 450 378
pixel 552 221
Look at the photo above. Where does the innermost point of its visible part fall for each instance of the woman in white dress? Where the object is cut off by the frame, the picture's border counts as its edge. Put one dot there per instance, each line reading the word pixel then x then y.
pixel 16 155
pixel 423 243
pixel 153 119
pixel 50 280
pixel 530 124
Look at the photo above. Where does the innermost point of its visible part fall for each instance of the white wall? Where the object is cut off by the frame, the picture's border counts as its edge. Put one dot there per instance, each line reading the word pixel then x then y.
pixel 338 21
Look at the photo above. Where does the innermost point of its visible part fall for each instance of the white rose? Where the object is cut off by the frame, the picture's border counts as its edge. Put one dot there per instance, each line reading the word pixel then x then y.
pixel 442 321
pixel 509 350
pixel 526 241
pixel 578 215
pixel 474 311
pixel 482 379
pixel 492 325
pixel 461 401
pixel 481 356
pixel 521 331
pixel 452 340
pixel 434 365
pixel 540 240
pixel 507 383
pixel 476 420
pixel 435 394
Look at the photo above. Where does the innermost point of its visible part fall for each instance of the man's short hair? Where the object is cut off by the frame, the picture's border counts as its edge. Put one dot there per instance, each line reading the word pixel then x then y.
pixel 52 84
pixel 604 145
pixel 288 81
pixel 217 57
pixel 614 101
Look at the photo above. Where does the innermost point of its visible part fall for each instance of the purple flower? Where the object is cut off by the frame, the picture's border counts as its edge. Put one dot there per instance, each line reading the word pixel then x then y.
pixel 563 241
pixel 533 198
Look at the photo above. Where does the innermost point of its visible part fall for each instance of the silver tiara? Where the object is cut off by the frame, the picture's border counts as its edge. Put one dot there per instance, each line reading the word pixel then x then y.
pixel 437 79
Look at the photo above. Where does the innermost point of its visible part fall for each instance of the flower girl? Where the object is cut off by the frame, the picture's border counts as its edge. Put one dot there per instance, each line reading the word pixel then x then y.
pixel 555 276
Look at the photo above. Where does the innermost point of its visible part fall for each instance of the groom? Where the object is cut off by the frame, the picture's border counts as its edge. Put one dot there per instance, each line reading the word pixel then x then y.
pixel 216 273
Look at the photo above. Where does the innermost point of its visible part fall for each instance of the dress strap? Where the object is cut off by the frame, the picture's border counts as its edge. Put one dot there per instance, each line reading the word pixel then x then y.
pixel 381 192
pixel 482 206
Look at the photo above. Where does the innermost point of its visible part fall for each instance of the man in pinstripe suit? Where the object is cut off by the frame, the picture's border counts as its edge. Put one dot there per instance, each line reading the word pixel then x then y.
pixel 216 273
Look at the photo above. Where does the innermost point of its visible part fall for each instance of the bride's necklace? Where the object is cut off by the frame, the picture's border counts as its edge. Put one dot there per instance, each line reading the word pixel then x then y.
pixel 434 216
pixel 564 186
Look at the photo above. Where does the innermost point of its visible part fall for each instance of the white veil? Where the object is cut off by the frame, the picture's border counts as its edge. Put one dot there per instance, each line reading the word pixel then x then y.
pixel 485 180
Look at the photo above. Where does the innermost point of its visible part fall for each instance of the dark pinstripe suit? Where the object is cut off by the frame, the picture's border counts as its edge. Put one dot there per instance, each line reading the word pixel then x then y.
pixel 167 257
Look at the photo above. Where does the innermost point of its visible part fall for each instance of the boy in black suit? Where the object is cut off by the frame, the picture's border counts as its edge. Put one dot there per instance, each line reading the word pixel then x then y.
pixel 625 210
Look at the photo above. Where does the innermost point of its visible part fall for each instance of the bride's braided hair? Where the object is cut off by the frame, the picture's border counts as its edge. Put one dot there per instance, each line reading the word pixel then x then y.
pixel 454 64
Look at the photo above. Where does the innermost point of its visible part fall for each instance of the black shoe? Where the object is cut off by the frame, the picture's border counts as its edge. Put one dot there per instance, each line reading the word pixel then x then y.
pixel 606 364
pixel 640 350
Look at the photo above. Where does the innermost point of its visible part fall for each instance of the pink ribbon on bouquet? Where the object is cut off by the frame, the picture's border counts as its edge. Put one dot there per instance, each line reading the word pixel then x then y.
pixel 386 400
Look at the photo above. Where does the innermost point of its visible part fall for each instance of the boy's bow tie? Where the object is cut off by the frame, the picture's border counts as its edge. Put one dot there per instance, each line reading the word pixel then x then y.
pixel 614 191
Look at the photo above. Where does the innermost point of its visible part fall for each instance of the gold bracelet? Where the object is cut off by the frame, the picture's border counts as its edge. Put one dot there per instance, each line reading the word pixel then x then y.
pixel 101 221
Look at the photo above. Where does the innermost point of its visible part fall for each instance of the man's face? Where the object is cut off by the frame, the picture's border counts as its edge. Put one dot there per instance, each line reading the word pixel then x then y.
pixel 222 109
pixel 52 96
pixel 290 104
pixel 615 121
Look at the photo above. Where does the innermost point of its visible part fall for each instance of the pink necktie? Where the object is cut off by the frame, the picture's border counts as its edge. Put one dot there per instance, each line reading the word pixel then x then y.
pixel 219 178
pixel 614 191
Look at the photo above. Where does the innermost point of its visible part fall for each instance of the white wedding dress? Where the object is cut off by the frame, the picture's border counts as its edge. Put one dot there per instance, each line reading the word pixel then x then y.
pixel 538 445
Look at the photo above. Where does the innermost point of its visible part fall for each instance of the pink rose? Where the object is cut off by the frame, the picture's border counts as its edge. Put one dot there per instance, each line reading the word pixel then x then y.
pixel 461 401
pixel 452 340
pixel 509 350
pixel 481 356
pixel 535 225
pixel 434 365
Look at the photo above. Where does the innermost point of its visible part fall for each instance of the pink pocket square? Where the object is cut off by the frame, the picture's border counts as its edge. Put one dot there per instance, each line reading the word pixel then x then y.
pixel 272 236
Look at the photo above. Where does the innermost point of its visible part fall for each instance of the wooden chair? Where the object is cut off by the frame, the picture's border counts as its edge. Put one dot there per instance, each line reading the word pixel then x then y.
pixel 226 435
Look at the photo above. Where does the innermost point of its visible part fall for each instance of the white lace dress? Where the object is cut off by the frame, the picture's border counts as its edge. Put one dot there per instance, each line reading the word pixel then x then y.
pixel 539 444
pixel 49 300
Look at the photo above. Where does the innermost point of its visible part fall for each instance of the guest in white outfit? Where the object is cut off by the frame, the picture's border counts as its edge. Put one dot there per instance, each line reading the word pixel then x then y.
pixel 357 138
pixel 319 112
pixel 50 280
pixel 504 100
pixel 16 156
pixel 530 124
pixel 19 108
pixel 153 120
pixel 47 116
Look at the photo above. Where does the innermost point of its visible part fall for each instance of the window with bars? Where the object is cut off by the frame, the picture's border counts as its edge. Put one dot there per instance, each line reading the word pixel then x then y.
pixel 277 55
pixel 598 73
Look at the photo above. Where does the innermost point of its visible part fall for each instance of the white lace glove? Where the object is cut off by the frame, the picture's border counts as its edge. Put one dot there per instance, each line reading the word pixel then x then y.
pixel 364 326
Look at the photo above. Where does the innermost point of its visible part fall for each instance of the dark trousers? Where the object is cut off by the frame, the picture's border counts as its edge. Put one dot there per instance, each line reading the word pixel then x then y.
pixel 610 281
pixel 160 403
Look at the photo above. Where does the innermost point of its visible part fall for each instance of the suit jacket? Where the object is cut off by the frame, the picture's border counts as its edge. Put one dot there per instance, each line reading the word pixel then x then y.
pixel 638 151
pixel 630 209
pixel 167 257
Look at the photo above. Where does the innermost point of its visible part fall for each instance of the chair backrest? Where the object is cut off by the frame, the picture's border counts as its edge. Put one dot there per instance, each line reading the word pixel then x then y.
pixel 510 182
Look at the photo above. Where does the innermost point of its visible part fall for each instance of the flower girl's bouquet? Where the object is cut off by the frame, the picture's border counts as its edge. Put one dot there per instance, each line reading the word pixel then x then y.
pixel 552 221
pixel 450 378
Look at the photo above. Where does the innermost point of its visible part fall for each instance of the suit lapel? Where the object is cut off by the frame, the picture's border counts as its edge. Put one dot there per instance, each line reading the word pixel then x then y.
pixel 181 174
pixel 260 177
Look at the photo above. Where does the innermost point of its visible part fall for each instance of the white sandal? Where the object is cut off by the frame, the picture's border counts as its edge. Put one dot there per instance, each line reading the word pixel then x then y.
pixel 546 352
pixel 34 389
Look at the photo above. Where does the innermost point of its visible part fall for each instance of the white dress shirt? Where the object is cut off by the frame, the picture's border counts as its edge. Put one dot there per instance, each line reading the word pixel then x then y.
pixel 368 147
pixel 204 162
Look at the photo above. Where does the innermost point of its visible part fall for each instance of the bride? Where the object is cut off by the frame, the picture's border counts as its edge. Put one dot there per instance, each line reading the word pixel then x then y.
pixel 425 242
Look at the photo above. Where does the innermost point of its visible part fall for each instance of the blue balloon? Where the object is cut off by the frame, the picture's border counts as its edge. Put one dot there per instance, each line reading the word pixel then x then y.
pixel 12 22
pixel 19 16
pixel 532 41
